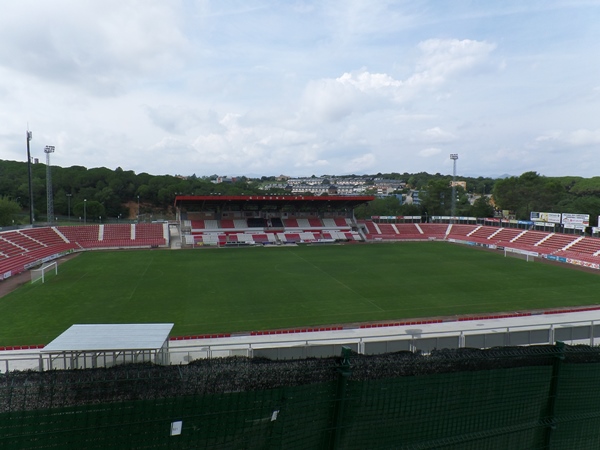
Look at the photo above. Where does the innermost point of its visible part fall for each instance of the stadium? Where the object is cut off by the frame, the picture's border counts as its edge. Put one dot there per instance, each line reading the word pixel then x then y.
pixel 285 322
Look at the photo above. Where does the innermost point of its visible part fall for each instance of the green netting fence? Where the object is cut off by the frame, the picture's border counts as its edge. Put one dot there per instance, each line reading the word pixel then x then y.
pixel 545 397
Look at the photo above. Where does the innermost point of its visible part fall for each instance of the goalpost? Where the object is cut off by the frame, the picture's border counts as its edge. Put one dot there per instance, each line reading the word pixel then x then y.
pixel 43 272
pixel 527 256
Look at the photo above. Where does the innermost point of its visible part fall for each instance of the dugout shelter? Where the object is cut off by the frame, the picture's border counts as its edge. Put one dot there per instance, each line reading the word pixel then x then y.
pixel 84 346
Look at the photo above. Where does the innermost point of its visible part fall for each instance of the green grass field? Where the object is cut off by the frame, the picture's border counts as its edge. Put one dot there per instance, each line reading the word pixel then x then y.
pixel 229 290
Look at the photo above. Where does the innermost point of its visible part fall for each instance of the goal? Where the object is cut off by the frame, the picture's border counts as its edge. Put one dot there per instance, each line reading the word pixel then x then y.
pixel 43 272
pixel 527 256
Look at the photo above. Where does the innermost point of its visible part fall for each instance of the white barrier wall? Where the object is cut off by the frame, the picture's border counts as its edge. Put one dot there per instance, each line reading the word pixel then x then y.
pixel 571 328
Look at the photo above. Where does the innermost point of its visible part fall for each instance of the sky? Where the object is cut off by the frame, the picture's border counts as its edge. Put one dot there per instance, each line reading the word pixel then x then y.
pixel 303 88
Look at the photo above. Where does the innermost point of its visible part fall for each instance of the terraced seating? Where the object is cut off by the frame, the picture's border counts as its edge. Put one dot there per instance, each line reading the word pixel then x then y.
pixel 387 229
pixel 24 248
pixel 528 239
pixel 433 230
pixel 19 249
pixel 341 222
pixel 557 241
pixel 211 239
pixel 240 223
pixel 506 235
pixel 227 224
pixel 116 232
pixel 9 248
pixel 315 222
pixel 460 231
pixel 582 256
pixel 410 231
pixel 586 246
pixel 308 237
pixel 276 222
pixel 13 266
pixel 211 224
pixel 85 236
pixel 303 223
pixel 352 235
pixel 150 234
pixel 44 252
pixel 256 222
pixel 482 234
pixel 22 240
pixel 371 227
pixel 289 237
pixel 290 223
pixel 46 236
pixel 373 231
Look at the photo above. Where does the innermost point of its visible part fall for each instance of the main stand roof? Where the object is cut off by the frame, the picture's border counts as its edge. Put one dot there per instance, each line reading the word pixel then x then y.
pixel 272 202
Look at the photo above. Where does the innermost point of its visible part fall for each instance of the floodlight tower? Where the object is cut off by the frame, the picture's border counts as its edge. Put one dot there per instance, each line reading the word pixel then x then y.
pixel 454 158
pixel 29 137
pixel 50 204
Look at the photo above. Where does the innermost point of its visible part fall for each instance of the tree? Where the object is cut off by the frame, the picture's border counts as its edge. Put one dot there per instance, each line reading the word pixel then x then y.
pixel 482 208
pixel 387 206
pixel 89 210
pixel 8 210
pixel 529 192
pixel 436 199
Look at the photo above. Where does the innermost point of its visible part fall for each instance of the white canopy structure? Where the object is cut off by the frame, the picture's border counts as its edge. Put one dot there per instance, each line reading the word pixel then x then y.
pixel 102 345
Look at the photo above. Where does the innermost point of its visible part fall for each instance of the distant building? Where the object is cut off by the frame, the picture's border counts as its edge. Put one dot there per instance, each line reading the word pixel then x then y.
pixel 412 198
pixel 225 180
pixel 269 186
pixel 462 184
pixel 350 185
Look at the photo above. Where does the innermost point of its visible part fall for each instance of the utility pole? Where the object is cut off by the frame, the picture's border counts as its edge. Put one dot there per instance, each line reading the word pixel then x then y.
pixel 31 218
pixel 50 199
pixel 453 157
pixel 69 205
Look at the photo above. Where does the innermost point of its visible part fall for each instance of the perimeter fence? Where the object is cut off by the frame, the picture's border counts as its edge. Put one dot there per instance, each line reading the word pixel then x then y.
pixel 504 398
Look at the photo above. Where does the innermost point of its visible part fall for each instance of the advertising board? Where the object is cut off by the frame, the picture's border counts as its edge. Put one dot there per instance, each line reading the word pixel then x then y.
pixel 576 219
pixel 545 217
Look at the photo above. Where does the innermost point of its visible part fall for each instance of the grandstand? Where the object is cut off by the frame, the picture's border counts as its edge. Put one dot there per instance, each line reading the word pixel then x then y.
pixel 214 221
pixel 521 237
pixel 267 220
pixel 21 250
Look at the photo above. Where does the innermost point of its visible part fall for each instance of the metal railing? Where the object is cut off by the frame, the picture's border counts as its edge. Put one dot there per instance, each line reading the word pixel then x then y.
pixel 412 339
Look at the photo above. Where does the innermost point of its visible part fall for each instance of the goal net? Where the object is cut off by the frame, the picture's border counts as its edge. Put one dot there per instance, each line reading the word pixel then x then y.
pixel 527 256
pixel 43 272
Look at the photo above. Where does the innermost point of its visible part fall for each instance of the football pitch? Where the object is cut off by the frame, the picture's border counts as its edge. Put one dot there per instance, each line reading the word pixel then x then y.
pixel 242 289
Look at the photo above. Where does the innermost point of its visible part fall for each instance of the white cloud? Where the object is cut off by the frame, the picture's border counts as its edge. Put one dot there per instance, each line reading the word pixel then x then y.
pixel 365 81
pixel 576 138
pixel 360 164
pixel 333 99
pixel 548 137
pixel 179 119
pixel 434 135
pixel 429 152
pixel 210 87
pixel 103 47
pixel 362 91
pixel 443 58
pixel 584 137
